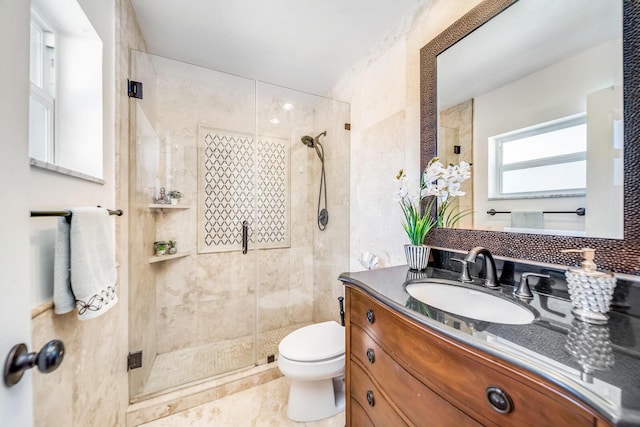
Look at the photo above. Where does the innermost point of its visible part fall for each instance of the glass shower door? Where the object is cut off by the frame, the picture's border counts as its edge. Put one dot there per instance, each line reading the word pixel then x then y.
pixel 192 313
pixel 250 262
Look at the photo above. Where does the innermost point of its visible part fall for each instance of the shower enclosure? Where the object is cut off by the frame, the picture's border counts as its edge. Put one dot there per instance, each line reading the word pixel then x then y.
pixel 250 264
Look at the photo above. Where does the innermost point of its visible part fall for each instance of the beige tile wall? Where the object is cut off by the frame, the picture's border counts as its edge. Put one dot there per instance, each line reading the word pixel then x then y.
pixel 457 129
pixel 331 246
pixel 383 88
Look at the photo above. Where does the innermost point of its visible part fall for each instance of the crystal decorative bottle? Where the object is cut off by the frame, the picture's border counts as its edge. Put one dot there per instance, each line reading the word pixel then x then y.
pixel 590 290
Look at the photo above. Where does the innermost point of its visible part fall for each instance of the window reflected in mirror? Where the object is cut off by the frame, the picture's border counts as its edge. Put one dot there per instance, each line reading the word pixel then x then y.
pixel 545 160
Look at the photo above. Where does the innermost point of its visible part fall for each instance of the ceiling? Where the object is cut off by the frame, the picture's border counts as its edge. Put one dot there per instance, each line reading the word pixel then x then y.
pixel 302 44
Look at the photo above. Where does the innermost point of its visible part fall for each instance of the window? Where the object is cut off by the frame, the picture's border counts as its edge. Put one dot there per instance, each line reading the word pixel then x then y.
pixel 546 160
pixel 42 75
pixel 66 95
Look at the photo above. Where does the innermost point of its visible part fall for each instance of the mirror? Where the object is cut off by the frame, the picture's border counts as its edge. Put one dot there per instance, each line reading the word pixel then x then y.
pixel 616 255
pixel 539 115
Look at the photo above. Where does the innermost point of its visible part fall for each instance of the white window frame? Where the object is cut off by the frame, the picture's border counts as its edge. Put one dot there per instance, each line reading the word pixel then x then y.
pixel 501 168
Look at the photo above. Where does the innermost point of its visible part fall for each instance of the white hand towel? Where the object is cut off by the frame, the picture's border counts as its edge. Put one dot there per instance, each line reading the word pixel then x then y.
pixel 63 299
pixel 527 219
pixel 91 260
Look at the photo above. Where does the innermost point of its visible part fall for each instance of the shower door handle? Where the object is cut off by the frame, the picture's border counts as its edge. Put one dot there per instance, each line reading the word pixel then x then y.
pixel 245 236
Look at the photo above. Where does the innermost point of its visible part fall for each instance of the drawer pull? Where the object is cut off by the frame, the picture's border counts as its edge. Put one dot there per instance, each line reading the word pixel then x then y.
pixel 370 398
pixel 499 400
pixel 371 355
pixel 370 317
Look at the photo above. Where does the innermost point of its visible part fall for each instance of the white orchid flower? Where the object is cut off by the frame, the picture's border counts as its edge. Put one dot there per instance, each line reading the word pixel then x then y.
pixel 430 175
pixel 465 170
pixel 403 186
pixel 454 190
pixel 437 184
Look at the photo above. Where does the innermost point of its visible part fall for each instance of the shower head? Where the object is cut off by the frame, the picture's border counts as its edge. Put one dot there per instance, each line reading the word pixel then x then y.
pixel 315 143
pixel 311 142
pixel 308 141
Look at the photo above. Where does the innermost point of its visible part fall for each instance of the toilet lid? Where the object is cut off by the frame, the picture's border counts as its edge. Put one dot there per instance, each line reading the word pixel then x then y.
pixel 315 342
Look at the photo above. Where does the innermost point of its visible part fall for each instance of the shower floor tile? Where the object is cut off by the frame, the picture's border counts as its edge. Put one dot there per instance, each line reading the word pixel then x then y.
pixel 196 363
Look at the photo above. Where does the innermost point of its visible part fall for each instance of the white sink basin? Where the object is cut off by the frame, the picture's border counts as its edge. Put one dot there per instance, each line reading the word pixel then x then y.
pixel 471 303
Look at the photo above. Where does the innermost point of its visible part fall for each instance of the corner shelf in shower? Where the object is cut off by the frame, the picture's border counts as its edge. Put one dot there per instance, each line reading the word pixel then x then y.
pixel 162 258
pixel 160 206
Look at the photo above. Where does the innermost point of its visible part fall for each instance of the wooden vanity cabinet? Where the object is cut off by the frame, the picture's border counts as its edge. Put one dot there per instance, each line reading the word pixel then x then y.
pixel 400 372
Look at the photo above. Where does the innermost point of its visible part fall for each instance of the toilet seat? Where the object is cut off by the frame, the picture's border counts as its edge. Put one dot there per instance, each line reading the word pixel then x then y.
pixel 314 343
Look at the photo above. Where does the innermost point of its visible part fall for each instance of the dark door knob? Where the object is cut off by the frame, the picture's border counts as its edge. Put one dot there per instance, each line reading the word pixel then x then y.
pixel 19 360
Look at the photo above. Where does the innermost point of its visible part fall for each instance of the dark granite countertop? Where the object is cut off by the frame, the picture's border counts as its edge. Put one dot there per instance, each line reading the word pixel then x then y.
pixel 600 365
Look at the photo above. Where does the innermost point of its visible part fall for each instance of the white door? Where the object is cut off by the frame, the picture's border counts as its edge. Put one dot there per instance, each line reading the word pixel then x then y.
pixel 15 319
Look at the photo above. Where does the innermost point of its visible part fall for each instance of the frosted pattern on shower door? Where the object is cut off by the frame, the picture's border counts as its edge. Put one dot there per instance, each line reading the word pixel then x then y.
pixel 227 190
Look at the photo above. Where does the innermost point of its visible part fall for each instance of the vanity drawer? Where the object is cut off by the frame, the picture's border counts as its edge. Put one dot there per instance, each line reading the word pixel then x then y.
pixel 369 397
pixel 415 400
pixel 359 416
pixel 462 375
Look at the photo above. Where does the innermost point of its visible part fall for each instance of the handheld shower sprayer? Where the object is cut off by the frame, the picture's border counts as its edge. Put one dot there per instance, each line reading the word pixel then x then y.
pixel 323 214
pixel 308 141
pixel 312 142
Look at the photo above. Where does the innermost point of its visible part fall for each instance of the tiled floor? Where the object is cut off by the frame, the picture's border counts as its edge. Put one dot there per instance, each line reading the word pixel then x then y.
pixel 191 364
pixel 261 406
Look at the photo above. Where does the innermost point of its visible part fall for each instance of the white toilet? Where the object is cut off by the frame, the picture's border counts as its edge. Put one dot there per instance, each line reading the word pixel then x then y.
pixel 312 358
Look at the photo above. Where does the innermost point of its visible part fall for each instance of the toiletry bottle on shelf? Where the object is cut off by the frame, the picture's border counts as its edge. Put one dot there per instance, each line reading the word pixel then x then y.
pixel 590 290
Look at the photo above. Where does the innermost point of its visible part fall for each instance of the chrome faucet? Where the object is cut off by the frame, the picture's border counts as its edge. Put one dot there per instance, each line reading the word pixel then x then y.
pixel 489 265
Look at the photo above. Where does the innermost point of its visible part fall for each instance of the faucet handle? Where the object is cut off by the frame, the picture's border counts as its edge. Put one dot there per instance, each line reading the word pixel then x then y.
pixel 464 274
pixel 523 290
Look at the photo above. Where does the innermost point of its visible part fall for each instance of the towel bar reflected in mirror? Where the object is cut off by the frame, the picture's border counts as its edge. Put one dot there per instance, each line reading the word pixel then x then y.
pixel 579 212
